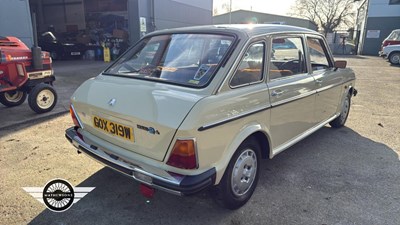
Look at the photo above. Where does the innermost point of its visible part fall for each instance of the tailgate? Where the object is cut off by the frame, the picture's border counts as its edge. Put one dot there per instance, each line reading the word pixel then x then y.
pixel 139 116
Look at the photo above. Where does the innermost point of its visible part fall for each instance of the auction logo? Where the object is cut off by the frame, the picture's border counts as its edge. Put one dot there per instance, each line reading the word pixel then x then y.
pixel 58 195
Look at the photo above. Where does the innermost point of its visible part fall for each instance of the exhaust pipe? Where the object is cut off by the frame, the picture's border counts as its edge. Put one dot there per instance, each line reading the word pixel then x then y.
pixel 37 61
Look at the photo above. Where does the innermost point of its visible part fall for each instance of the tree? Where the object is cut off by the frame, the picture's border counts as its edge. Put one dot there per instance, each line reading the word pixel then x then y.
pixel 327 14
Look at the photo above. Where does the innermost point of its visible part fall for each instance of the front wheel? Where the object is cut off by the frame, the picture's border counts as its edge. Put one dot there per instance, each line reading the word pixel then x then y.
pixel 12 98
pixel 342 118
pixel 42 98
pixel 241 176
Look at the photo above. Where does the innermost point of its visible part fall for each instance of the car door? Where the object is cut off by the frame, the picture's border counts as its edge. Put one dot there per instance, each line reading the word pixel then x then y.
pixel 327 81
pixel 291 90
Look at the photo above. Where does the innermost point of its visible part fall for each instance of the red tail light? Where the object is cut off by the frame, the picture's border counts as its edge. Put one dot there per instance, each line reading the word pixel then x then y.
pixel 74 118
pixel 385 43
pixel 183 155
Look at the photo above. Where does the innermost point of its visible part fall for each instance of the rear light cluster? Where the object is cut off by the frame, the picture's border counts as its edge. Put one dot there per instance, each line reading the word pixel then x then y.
pixel 183 155
pixel 75 120
pixel 73 115
pixel 385 43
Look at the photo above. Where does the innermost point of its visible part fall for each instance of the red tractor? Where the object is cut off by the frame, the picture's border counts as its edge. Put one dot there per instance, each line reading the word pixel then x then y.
pixel 20 77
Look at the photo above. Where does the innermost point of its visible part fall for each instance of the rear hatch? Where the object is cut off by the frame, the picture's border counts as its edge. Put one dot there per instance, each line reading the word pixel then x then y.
pixel 139 116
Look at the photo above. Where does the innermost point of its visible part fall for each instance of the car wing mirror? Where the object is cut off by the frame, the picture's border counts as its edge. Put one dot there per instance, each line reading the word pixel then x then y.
pixel 340 64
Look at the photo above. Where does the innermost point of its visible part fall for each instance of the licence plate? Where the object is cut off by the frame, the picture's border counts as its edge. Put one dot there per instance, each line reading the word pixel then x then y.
pixel 75 53
pixel 113 128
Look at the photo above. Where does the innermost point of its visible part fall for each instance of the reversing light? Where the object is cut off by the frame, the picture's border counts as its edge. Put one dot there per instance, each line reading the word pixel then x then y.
pixel 183 154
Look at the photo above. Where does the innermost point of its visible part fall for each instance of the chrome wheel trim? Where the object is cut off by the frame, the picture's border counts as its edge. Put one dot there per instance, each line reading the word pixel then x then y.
pixel 345 109
pixel 395 59
pixel 14 97
pixel 244 172
pixel 45 99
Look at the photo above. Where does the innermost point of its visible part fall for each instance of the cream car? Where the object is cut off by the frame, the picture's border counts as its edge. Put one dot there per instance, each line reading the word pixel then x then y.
pixel 192 108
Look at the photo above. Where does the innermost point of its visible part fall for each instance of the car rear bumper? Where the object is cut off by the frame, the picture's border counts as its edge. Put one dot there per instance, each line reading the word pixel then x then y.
pixel 184 185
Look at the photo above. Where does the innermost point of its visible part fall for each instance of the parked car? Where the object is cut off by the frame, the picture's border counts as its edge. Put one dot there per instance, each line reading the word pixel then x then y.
pixel 60 49
pixel 192 108
pixel 392 39
pixel 392 52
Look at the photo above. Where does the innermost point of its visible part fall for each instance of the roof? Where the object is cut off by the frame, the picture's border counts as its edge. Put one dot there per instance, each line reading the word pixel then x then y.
pixel 262 13
pixel 246 29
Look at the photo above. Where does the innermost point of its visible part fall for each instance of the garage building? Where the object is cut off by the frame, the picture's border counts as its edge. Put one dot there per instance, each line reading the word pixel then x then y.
pixel 126 19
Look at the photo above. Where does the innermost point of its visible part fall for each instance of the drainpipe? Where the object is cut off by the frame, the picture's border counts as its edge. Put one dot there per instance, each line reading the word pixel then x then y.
pixel 36 50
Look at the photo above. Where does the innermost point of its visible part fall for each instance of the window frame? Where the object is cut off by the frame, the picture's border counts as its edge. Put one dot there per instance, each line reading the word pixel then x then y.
pixel 327 52
pixel 129 52
pixel 305 52
pixel 248 46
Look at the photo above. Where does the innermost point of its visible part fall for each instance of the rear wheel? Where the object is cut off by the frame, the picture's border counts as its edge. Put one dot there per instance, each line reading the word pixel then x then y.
pixel 42 98
pixel 394 58
pixel 241 176
pixel 342 118
pixel 12 98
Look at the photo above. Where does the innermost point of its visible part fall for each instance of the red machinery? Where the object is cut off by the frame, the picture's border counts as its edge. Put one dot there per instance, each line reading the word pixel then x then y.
pixel 19 77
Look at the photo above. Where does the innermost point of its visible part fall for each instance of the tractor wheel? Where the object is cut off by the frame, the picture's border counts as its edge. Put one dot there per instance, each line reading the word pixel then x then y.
pixel 42 98
pixel 12 98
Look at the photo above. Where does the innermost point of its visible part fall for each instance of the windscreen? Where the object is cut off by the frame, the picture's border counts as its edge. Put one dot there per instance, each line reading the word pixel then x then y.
pixel 184 59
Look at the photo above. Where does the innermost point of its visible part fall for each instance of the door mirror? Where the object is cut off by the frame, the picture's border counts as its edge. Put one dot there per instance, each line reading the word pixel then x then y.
pixel 340 64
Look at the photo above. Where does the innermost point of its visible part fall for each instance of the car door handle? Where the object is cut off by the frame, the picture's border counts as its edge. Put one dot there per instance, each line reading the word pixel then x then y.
pixel 318 81
pixel 277 93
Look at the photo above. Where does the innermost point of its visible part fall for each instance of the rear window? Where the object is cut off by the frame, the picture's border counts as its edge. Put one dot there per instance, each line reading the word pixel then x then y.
pixel 184 59
pixel 395 35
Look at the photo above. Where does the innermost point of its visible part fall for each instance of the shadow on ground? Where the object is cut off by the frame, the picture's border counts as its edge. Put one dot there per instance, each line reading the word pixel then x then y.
pixel 335 176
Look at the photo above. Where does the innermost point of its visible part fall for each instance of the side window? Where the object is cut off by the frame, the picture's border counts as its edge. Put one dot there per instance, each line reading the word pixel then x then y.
pixel 318 55
pixel 251 67
pixel 287 57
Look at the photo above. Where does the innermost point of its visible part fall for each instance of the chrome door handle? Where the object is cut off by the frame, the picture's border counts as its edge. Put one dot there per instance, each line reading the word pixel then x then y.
pixel 277 93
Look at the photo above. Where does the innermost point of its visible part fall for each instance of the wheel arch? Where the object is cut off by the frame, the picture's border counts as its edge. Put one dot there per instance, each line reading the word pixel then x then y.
pixel 255 130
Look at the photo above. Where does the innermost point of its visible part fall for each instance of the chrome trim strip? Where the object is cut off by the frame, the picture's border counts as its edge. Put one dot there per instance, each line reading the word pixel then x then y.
pixel 221 122
pixel 77 116
pixel 327 87
pixel 333 85
pixel 102 154
pixel 140 181
pixel 288 144
pixel 294 98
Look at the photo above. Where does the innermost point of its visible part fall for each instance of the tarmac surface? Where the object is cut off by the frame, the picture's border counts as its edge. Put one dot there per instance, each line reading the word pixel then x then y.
pixel 343 176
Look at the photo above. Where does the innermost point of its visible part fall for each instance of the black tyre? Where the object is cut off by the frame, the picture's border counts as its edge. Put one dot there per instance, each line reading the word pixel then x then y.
pixel 341 119
pixel 394 58
pixel 12 98
pixel 42 98
pixel 241 176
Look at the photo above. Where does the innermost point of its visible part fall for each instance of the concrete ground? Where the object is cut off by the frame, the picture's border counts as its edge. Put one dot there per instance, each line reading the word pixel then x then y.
pixel 335 176
pixel 69 75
